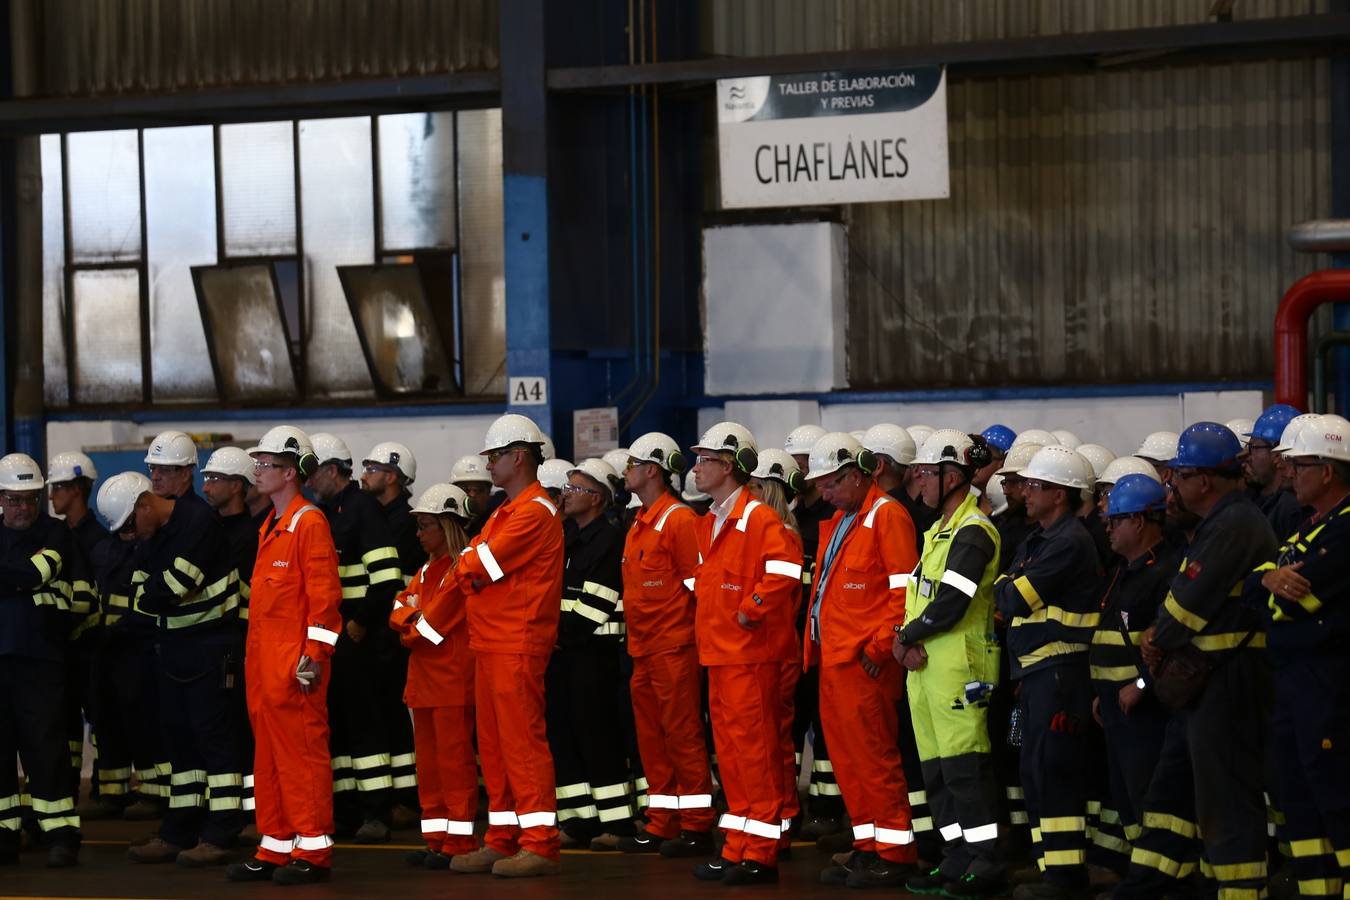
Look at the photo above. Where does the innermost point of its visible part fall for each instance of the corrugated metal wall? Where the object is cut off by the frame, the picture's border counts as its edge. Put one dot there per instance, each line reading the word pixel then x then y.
pixel 87 47
pixel 1124 226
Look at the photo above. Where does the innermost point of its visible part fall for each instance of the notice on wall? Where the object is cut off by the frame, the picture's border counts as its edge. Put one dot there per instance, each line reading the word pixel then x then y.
pixel 833 137
pixel 594 432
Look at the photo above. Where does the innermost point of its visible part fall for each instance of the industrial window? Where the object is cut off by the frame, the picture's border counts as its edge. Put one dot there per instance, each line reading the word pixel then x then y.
pixel 274 263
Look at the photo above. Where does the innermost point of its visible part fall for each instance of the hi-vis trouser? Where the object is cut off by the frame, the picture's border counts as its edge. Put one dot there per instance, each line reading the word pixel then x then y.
pixel 952 737
pixel 1207 790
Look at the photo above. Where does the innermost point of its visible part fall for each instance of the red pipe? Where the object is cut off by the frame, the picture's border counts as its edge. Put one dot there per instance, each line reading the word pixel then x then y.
pixel 1291 330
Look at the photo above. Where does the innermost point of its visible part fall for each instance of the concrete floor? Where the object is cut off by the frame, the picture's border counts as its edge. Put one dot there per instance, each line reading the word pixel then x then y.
pixel 379 871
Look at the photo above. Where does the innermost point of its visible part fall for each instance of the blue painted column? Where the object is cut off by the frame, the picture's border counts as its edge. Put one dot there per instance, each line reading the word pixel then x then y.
pixel 525 202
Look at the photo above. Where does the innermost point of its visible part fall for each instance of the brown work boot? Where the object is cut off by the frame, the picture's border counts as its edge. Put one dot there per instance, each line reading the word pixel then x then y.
pixel 204 854
pixel 604 842
pixel 402 817
pixel 155 850
pixel 526 865
pixel 479 861
pixel 143 810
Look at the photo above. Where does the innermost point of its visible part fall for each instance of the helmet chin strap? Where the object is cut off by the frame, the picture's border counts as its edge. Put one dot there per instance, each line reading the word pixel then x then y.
pixel 943 495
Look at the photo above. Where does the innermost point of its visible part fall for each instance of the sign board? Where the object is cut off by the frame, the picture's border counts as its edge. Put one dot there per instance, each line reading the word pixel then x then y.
pixel 528 391
pixel 594 432
pixel 833 137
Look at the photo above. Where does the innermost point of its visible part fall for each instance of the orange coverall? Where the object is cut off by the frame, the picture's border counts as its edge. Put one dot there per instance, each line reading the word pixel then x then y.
pixel 293 612
pixel 659 555
pixel 862 605
pixel 430 620
pixel 512 575
pixel 752 567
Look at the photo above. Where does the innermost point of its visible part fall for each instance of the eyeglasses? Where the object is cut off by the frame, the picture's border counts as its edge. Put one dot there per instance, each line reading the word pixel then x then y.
pixel 921 472
pixel 634 463
pixel 259 464
pixel 1315 464
pixel 432 525
pixel 494 455
pixel 1032 484
pixel 157 469
pixel 25 499
pixel 578 489
pixel 701 460
pixel 1187 474
pixel 372 469
pixel 835 481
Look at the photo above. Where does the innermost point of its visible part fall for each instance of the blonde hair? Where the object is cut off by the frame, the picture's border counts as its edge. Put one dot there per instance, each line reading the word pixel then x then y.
pixel 455 538
pixel 772 495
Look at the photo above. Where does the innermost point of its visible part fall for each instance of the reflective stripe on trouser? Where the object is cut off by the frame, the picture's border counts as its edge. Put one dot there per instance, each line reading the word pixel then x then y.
pixel 197 719
pixel 513 747
pixel 361 751
pixel 447 777
pixel 126 698
pixel 587 741
pixel 744 703
pixel 951 740
pixel 393 679
pixel 1056 705
pixel 1166 849
pixel 788 674
pixel 1133 744
pixel 667 709
pixel 1312 760
pixel 292 772
pixel 861 716
pixel 34 732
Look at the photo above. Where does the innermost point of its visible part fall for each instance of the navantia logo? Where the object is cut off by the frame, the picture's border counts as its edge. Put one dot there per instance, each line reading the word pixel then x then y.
pixel 737 92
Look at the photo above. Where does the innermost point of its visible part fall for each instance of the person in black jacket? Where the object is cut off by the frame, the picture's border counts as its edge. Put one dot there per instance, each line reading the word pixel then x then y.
pixel 368 565
pixel 1304 596
pixel 35 621
pixel 585 733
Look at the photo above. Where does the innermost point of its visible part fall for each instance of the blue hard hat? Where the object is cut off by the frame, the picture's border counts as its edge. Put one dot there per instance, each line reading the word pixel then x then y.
pixel 1136 494
pixel 1206 445
pixel 1000 436
pixel 1270 425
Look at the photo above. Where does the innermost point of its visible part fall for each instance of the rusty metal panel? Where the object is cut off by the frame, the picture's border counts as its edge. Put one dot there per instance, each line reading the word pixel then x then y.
pixel 92 47
pixel 1111 227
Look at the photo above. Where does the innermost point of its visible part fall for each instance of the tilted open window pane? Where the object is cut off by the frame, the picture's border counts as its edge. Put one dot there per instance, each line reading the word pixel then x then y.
pixel 241 309
pixel 56 388
pixel 106 306
pixel 105 196
pixel 417 181
pixel 257 179
pixel 402 342
pixel 180 222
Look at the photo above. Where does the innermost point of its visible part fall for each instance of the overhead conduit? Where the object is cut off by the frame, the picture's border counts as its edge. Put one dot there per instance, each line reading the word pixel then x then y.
pixel 1302 300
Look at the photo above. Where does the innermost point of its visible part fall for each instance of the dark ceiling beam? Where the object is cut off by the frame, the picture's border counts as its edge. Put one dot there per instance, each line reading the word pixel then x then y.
pixel 1172 44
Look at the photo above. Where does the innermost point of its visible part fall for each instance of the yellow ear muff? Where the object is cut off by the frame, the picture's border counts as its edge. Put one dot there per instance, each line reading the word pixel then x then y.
pixel 676 462
pixel 747 460
pixel 867 461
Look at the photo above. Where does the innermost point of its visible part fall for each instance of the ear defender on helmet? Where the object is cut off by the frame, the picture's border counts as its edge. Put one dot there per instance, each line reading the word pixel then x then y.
pixel 867 461
pixel 978 455
pixel 796 481
pixel 307 463
pixel 747 460
pixel 676 461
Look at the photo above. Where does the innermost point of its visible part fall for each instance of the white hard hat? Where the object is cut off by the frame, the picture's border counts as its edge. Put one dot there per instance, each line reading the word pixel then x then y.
pixel 1098 456
pixel 440 499
pixel 1242 427
pixel 284 439
pixel 1160 446
pixel 890 440
pixel 998 501
pixel 392 453
pixel 70 465
pixel 511 429
pixel 780 466
pixel 617 459
pixel 659 448
pixel 231 461
pixel 1292 431
pixel 919 433
pixel 1325 437
pixel 547 450
pixel 1067 438
pixel 600 471
pixel 469 469
pixel 1035 436
pixel 1121 466
pixel 634 502
pixel 20 472
pixel 171 448
pixel 330 447
pixel 1017 458
pixel 945 445
pixel 118 495
pixel 733 438
pixel 858 434
pixel 833 452
pixel 1061 466
pixel 691 493
pixel 801 439
pixel 553 473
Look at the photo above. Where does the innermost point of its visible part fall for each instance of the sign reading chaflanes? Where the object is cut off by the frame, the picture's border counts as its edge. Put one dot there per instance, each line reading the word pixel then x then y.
pixel 833 137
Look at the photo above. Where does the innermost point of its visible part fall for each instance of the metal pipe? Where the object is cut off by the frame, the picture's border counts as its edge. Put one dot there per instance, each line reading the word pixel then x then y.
pixel 1321 236
pixel 1291 330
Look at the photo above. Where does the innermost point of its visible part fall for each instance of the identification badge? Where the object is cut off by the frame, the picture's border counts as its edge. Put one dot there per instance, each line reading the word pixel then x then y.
pixel 925 587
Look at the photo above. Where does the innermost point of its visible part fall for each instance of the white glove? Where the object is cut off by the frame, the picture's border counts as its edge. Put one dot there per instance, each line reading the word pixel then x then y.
pixel 306 672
